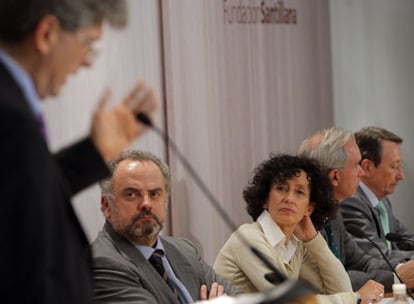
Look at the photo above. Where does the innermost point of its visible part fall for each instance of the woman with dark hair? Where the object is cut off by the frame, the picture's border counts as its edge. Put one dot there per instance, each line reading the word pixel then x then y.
pixel 288 198
pixel 281 168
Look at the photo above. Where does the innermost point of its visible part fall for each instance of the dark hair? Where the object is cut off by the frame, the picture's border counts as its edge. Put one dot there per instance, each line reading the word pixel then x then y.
pixel 369 141
pixel 19 18
pixel 281 168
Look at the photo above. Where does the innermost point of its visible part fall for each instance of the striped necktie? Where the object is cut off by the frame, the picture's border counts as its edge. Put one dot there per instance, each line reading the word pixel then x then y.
pixel 383 215
pixel 156 261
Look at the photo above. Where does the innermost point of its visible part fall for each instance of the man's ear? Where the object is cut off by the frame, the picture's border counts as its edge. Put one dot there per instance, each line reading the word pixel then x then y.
pixel 334 177
pixel 46 34
pixel 105 207
pixel 367 165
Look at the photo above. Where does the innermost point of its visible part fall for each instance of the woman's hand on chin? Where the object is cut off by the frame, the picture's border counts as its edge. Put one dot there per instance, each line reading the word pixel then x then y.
pixel 305 230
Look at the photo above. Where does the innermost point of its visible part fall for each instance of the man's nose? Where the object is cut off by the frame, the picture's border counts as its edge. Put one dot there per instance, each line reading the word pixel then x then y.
pixel 400 174
pixel 145 202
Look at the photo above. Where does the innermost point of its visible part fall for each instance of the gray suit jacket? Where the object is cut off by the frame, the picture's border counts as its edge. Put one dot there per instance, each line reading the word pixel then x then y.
pixel 360 266
pixel 358 212
pixel 123 275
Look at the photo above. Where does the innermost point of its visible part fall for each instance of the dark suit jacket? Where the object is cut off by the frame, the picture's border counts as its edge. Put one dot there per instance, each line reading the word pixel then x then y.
pixel 358 212
pixel 44 252
pixel 360 266
pixel 123 275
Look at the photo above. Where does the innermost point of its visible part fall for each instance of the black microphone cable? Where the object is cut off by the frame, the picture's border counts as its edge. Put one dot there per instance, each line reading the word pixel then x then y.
pixel 145 120
pixel 361 235
pixel 299 288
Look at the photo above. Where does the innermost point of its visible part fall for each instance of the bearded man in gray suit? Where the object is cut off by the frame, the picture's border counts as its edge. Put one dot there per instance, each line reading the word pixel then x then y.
pixel 134 202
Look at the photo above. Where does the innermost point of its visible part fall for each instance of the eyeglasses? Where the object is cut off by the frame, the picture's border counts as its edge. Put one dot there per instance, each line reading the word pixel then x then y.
pixel 92 46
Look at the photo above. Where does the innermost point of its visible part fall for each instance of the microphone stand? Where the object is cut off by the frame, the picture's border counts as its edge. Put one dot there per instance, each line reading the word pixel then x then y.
pixel 276 275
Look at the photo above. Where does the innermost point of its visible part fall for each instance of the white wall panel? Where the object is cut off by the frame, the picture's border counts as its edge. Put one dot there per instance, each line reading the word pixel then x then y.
pixel 235 93
pixel 373 72
pixel 127 56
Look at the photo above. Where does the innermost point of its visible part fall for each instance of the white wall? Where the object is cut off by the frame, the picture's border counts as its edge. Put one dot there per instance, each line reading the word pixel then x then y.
pixel 232 93
pixel 236 92
pixel 127 56
pixel 373 74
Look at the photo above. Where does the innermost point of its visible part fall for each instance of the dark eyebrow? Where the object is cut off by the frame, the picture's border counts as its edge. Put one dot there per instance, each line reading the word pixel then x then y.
pixel 131 189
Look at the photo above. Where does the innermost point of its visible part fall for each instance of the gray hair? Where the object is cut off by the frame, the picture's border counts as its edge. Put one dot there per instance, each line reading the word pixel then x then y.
pixel 19 18
pixel 107 184
pixel 327 147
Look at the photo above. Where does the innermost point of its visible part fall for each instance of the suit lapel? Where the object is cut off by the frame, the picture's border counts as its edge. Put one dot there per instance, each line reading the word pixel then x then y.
pixel 182 268
pixel 336 226
pixel 143 267
pixel 18 101
pixel 373 211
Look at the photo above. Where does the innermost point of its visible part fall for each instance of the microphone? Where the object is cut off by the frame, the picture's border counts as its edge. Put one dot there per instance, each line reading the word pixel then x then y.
pixel 298 288
pixel 142 117
pixel 361 235
pixel 396 237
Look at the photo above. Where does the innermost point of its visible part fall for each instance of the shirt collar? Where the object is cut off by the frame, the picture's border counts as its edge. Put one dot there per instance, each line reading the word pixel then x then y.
pixel 147 251
pixel 372 198
pixel 24 81
pixel 272 230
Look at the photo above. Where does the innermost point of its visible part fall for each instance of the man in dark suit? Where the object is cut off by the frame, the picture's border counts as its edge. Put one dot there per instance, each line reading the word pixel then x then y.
pixel 45 256
pixel 337 152
pixel 134 202
pixel 383 165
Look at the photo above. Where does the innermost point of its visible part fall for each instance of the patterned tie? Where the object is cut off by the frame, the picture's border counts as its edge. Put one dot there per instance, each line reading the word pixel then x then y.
pixel 331 239
pixel 383 215
pixel 156 261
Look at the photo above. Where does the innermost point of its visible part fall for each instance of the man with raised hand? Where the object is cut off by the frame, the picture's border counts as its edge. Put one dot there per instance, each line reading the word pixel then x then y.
pixel 45 256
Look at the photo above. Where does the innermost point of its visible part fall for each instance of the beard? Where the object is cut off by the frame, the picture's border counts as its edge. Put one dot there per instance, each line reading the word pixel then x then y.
pixel 143 231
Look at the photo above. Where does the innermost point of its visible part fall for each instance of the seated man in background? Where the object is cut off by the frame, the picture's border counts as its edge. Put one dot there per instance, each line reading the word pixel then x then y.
pixel 132 262
pixel 369 208
pixel 284 195
pixel 337 152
